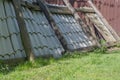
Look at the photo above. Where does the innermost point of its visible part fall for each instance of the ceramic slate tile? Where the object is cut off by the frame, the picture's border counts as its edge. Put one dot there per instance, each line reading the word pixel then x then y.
pixel 1 47
pixel 2 13
pixel 18 55
pixel 6 46
pixel 3 29
pixel 11 19
pixel 16 43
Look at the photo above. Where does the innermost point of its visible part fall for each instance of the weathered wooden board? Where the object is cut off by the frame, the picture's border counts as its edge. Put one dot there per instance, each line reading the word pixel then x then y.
pixel 23 31
pixel 101 27
pixel 85 10
pixel 52 9
pixel 107 25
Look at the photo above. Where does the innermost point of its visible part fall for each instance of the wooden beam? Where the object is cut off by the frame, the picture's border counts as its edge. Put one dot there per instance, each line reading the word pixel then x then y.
pixel 112 44
pixel 23 31
pixel 59 9
pixel 92 30
pixel 115 35
pixel 85 10
pixel 77 17
pixel 30 5
pixel 51 21
pixel 100 27
pixel 53 9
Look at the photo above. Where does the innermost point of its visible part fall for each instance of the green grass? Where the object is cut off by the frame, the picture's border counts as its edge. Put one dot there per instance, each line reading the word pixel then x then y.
pixel 77 66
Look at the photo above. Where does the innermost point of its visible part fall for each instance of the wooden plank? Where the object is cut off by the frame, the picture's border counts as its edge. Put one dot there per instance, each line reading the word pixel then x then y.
pixel 59 9
pixel 52 9
pixel 77 17
pixel 30 5
pixel 101 28
pixel 86 49
pixel 85 10
pixel 51 21
pixel 112 44
pixel 23 31
pixel 104 21
pixel 92 31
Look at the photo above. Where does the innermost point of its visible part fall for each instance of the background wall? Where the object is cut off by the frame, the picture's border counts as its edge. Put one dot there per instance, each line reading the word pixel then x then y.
pixel 111 11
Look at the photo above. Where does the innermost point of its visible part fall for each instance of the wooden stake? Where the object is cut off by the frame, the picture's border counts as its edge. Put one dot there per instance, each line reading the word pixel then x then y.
pixel 23 31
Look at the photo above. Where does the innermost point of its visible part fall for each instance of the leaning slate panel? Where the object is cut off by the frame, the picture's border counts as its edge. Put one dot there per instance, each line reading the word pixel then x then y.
pixel 72 32
pixel 10 41
pixel 43 38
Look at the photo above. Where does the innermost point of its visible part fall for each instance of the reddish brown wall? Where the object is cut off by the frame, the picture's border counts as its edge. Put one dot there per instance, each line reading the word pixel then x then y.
pixel 109 8
pixel 111 11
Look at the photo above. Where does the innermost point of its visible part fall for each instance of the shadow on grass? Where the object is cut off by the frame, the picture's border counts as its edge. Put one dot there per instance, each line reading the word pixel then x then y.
pixel 41 62
pixel 75 54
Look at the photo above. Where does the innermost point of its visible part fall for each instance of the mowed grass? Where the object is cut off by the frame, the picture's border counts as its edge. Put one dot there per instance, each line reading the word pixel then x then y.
pixel 75 66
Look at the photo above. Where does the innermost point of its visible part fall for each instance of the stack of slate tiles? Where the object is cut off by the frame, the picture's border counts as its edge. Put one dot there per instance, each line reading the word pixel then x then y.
pixel 43 38
pixel 10 41
pixel 72 32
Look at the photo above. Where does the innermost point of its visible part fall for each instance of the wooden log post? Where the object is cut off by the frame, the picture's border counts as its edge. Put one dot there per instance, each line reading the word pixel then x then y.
pixel 115 35
pixel 23 31
pixel 52 23
pixel 81 23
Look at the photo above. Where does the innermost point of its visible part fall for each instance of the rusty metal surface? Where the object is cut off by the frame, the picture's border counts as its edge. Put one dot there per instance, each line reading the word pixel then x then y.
pixel 109 8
